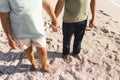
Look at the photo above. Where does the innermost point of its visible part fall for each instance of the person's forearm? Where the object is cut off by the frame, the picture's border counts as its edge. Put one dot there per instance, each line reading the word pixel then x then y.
pixel 93 8
pixel 5 20
pixel 47 6
pixel 59 7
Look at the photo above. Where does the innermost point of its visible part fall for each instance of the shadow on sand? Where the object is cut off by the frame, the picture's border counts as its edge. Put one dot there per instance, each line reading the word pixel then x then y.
pixel 10 58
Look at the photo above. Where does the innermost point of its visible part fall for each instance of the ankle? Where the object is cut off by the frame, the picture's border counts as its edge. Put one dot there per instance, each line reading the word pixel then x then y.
pixel 46 69
pixel 34 65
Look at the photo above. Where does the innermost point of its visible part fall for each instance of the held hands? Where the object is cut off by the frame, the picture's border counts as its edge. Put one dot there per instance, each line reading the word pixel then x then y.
pixel 55 26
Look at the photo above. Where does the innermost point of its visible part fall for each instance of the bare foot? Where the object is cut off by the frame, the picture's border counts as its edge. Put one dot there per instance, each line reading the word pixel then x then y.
pixel 66 58
pixel 48 70
pixel 79 57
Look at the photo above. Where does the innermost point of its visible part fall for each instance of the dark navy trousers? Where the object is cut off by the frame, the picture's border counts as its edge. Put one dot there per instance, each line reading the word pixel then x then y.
pixel 68 29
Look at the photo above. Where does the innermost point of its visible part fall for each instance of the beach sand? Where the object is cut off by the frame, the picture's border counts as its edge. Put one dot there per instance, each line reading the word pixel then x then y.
pixel 100 49
pixel 110 8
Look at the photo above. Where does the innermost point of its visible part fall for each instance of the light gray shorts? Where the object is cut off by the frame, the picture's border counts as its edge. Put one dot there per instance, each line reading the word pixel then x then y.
pixel 25 43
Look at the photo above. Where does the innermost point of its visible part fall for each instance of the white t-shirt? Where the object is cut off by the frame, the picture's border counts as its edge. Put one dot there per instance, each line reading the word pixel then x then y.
pixel 25 17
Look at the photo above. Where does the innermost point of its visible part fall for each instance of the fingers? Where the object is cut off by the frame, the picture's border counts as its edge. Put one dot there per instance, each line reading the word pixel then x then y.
pixel 54 28
pixel 13 44
pixel 91 25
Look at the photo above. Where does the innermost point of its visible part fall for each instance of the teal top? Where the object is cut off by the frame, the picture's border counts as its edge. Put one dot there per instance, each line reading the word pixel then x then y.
pixel 26 18
pixel 76 10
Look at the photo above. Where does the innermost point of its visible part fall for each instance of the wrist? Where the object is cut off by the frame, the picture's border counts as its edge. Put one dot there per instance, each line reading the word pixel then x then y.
pixel 93 19
pixel 54 21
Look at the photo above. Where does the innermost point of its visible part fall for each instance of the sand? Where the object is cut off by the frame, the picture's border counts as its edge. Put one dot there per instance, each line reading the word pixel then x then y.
pixel 100 49
pixel 110 8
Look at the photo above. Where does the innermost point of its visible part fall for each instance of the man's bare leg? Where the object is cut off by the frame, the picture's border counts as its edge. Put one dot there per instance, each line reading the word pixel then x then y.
pixel 30 55
pixel 42 54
